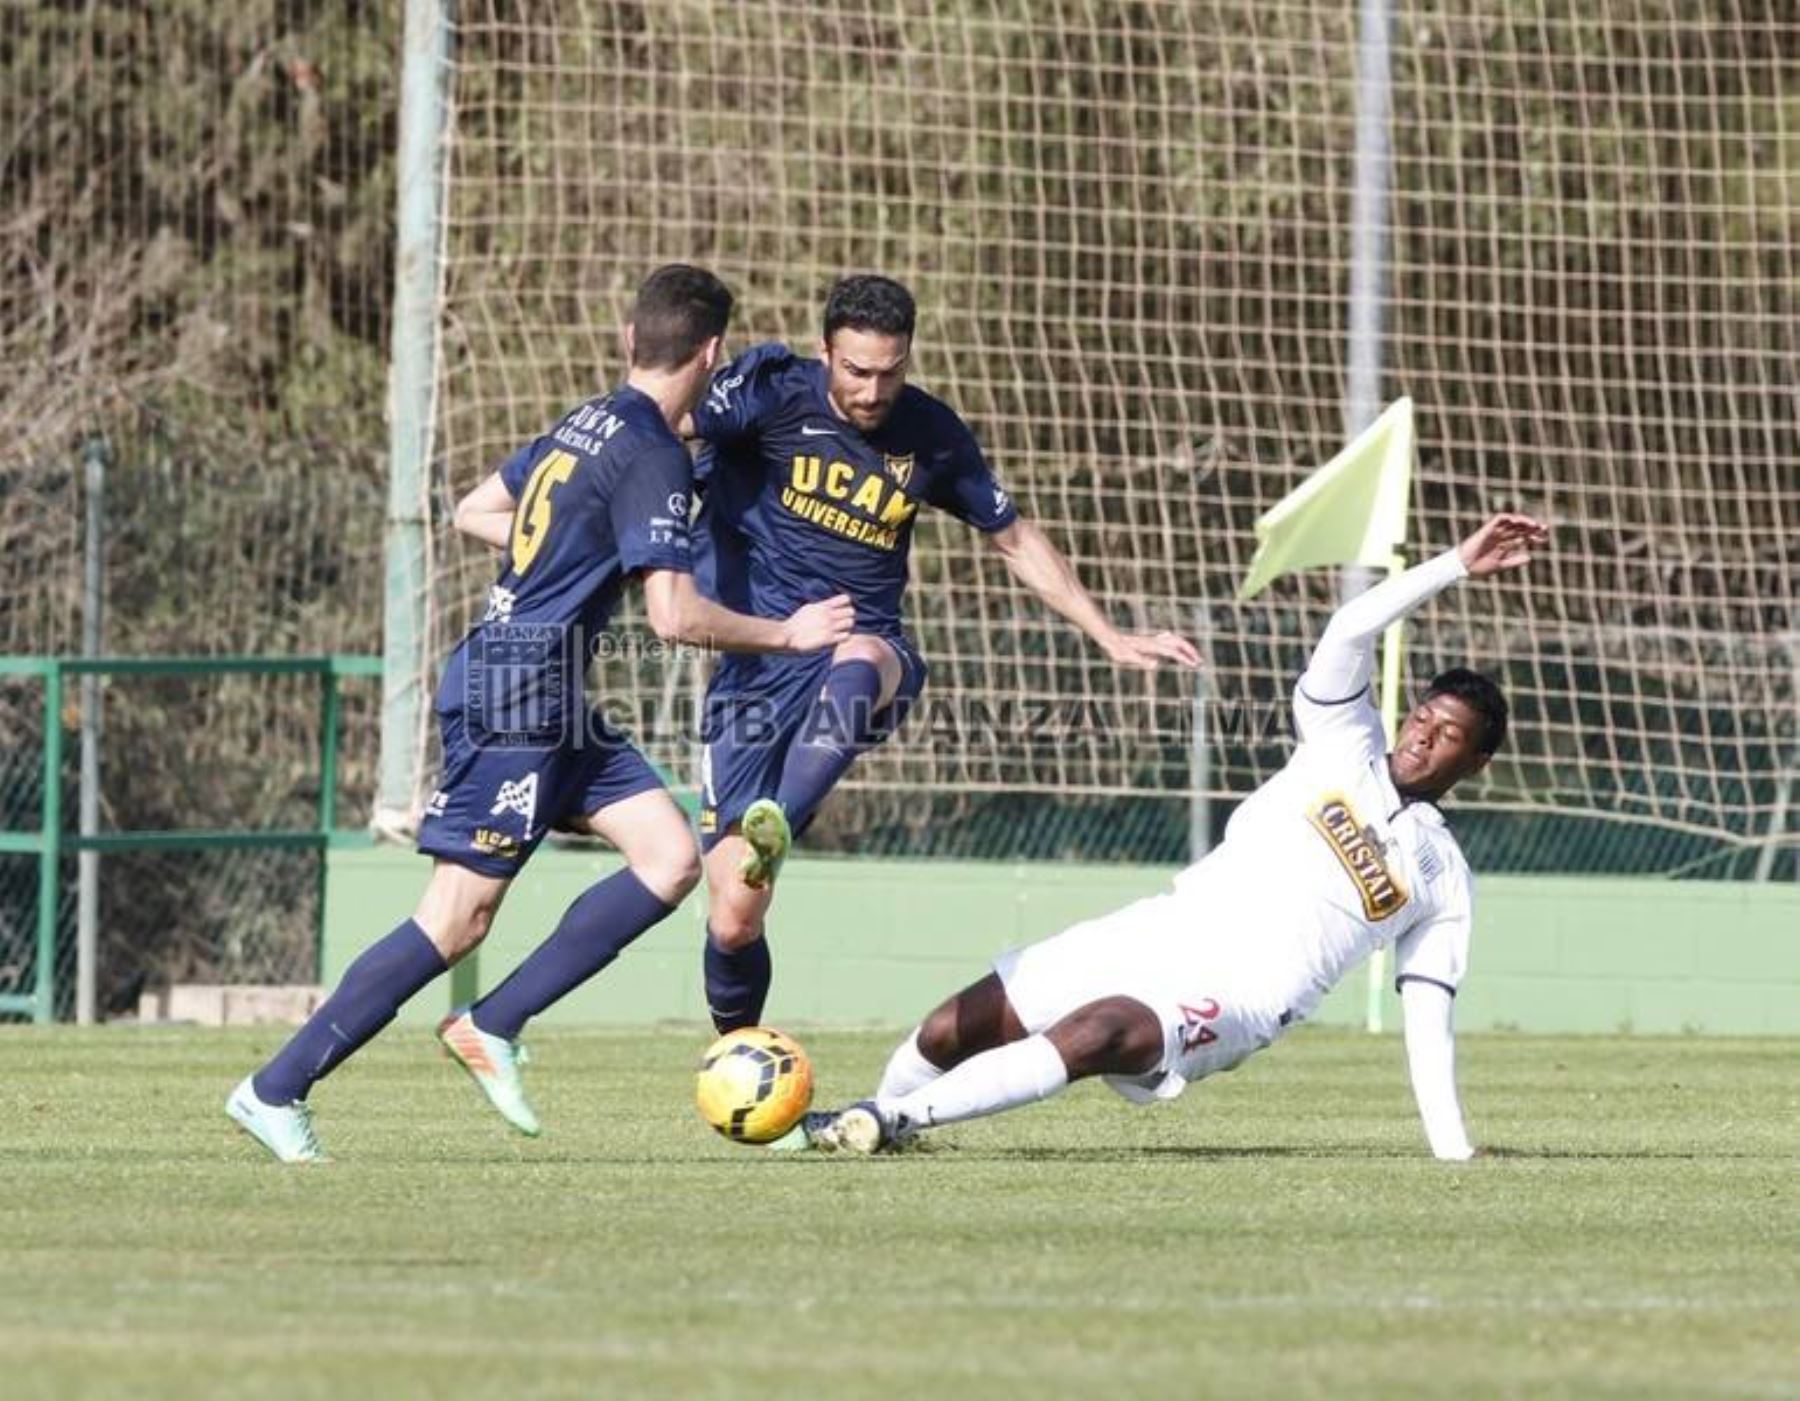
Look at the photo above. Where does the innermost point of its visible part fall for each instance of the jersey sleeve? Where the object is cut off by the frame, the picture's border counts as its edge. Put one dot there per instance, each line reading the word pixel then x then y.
pixel 1350 724
pixel 1437 950
pixel 966 486
pixel 649 510
pixel 1334 702
pixel 516 470
pixel 741 394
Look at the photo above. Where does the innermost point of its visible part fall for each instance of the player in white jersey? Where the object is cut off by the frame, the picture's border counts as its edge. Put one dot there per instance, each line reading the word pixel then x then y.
pixel 1341 853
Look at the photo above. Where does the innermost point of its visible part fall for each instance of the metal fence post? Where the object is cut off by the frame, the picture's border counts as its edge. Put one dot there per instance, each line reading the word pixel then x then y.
pixel 95 454
pixel 43 1008
pixel 328 775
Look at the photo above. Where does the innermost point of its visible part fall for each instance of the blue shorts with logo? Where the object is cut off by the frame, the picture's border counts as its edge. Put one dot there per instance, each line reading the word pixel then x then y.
pixel 755 707
pixel 499 797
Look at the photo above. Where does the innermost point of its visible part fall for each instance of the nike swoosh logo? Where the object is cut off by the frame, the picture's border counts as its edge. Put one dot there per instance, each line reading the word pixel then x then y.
pixel 808 431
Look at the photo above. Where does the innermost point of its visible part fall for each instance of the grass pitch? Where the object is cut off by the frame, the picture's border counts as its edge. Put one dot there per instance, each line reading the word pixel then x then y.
pixel 1278 1231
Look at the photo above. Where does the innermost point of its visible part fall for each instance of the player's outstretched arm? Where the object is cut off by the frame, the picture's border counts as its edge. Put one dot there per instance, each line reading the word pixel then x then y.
pixel 1431 1061
pixel 486 513
pixel 679 612
pixel 1046 571
pixel 1344 660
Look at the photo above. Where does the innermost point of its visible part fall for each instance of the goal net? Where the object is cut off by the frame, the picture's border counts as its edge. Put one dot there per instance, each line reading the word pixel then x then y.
pixel 1127 224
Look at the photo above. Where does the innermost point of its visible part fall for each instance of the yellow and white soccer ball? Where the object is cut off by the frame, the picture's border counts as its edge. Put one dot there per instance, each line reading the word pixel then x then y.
pixel 754 1084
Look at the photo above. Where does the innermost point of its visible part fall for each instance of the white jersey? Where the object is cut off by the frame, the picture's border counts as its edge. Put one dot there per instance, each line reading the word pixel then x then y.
pixel 1320 867
pixel 1325 863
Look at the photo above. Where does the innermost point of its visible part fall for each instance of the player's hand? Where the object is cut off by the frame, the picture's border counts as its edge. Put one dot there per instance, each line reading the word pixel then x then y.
pixel 1146 651
pixel 1505 542
pixel 822 624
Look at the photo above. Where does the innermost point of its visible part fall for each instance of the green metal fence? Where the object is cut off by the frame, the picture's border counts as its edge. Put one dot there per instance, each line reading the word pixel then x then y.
pixel 51 841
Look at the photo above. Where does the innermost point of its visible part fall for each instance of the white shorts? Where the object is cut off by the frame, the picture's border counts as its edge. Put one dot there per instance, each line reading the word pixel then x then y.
pixel 1153 953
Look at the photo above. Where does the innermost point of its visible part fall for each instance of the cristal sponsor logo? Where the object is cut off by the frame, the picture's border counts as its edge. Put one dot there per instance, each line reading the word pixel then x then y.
pixel 1359 853
pixel 520 797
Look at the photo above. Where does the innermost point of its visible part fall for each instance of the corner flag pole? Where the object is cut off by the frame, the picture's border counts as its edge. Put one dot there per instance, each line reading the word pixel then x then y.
pixel 1393 656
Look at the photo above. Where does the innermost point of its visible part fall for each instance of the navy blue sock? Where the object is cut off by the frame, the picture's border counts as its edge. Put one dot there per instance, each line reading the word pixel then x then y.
pixel 591 934
pixel 369 996
pixel 837 729
pixel 737 983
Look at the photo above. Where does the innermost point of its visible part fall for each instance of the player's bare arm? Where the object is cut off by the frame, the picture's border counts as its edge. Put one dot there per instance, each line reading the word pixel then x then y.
pixel 1046 571
pixel 486 513
pixel 679 612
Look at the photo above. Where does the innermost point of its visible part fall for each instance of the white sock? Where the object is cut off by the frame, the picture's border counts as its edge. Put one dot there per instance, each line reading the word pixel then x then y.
pixel 996 1080
pixel 907 1070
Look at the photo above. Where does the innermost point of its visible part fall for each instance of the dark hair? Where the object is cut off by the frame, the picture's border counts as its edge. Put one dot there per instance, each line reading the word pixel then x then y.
pixel 867 302
pixel 678 309
pixel 1482 696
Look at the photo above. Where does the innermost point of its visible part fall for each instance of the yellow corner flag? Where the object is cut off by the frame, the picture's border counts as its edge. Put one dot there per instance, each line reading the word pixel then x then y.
pixel 1351 511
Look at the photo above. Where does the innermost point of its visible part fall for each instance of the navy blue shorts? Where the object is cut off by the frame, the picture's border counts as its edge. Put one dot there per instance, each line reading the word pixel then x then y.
pixel 496 801
pixel 755 707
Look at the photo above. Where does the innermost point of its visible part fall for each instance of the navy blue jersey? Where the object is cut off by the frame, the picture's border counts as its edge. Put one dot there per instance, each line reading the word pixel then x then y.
pixel 601 496
pixel 801 505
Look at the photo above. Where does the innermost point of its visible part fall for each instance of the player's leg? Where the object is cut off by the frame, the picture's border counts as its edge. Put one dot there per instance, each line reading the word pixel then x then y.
pixel 1109 1036
pixel 751 717
pixel 662 865
pixel 737 965
pixel 619 797
pixel 843 720
pixel 799 738
pixel 977 1019
pixel 452 917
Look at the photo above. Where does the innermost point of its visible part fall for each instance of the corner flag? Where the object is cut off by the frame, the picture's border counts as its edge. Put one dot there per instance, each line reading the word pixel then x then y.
pixel 1351 511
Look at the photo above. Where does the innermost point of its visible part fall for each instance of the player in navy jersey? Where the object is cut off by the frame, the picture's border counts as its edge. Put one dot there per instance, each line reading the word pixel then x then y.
pixel 601 497
pixel 813 472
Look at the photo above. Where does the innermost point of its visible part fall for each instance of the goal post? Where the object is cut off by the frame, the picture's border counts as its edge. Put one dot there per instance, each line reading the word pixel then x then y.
pixel 1129 226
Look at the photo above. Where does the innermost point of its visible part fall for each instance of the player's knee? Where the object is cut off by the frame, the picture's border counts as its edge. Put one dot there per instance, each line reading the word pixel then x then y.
pixel 732 928
pixel 862 649
pixel 938 1041
pixel 671 872
pixel 977 1019
pixel 1116 1036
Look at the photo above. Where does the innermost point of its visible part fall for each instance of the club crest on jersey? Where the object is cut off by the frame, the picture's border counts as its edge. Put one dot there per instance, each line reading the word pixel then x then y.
pixel 900 469
pixel 1359 852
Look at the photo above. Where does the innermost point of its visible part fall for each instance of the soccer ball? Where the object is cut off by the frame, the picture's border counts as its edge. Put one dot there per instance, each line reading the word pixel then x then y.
pixel 754 1084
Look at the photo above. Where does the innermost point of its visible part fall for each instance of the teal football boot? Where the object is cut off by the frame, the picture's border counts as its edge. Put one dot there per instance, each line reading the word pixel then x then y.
pixel 284 1129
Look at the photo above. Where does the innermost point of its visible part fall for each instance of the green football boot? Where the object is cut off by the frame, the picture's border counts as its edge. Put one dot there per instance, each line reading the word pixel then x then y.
pixel 493 1064
pixel 765 828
